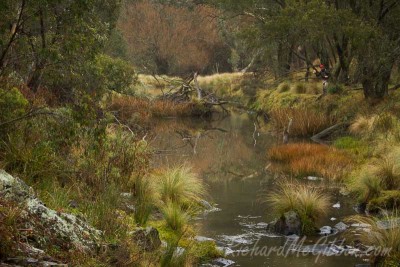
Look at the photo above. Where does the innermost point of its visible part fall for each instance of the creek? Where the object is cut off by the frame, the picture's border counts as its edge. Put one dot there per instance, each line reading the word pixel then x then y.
pixel 230 155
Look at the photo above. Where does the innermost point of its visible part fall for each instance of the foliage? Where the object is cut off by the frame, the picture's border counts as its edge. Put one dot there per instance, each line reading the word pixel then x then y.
pixel 10 221
pixel 146 199
pixel 12 104
pixel 115 74
pixel 335 89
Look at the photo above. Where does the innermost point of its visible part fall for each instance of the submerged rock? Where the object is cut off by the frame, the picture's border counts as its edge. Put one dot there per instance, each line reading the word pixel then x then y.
pixel 147 238
pixel 341 226
pixel 62 229
pixel 203 239
pixel 221 262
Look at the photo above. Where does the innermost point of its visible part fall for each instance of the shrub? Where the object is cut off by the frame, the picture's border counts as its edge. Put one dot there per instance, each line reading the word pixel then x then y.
pixel 12 104
pixel 179 185
pixel 10 222
pixel 305 122
pixel 310 203
pixel 365 184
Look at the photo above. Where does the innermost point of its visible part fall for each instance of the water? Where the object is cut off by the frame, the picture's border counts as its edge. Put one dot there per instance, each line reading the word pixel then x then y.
pixel 230 155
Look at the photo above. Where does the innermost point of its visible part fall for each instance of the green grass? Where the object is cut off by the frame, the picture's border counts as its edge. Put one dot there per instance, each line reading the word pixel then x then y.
pixel 175 217
pixel 180 185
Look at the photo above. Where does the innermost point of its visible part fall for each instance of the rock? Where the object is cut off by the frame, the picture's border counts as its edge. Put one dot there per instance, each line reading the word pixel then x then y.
pixel 314 178
pixel 26 261
pixel 325 230
pixel 341 226
pixel 288 224
pixel 336 206
pixel 61 228
pixel 221 262
pixel 333 219
pixel 206 204
pixel 147 238
pixel 179 251
pixel 388 224
pixel 203 239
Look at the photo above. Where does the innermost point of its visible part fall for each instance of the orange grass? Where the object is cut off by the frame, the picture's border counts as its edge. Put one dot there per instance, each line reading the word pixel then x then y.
pixel 301 159
pixel 305 122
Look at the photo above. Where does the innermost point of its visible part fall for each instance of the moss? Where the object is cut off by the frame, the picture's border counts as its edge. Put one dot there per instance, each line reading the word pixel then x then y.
pixel 204 251
pixel 353 145
pixel 387 200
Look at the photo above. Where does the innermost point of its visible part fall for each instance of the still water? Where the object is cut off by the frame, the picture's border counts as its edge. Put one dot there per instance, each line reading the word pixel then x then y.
pixel 230 155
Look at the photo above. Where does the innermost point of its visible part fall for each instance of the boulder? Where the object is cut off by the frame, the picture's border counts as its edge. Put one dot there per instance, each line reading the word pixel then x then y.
pixel 147 238
pixel 341 226
pixel 49 225
pixel 288 224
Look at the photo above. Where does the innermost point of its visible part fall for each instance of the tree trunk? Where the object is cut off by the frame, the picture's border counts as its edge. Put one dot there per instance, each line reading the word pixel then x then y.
pixel 376 83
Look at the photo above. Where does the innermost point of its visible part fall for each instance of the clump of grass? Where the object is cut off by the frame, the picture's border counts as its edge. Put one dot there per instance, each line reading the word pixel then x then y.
pixel 146 199
pixel 384 240
pixel 10 221
pixel 310 203
pixel 366 185
pixel 179 185
pixel 298 88
pixel 385 123
pixel 305 122
pixel 301 159
pixel 175 217
pixel 283 87
pixel 352 145
pixel 362 125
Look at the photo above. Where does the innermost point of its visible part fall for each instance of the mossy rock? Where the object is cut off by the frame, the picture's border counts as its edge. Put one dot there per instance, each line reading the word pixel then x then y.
pixel 388 200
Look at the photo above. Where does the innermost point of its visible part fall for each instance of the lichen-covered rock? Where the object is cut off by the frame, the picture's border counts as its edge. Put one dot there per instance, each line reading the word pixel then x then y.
pixel 56 227
pixel 147 238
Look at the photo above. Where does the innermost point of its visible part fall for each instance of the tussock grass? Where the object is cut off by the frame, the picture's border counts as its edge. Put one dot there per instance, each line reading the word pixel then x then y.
pixel 301 159
pixel 147 199
pixel 367 126
pixel 306 122
pixel 283 87
pixel 310 203
pixel 298 88
pixel 175 217
pixel 10 221
pixel 362 125
pixel 179 185
pixel 382 240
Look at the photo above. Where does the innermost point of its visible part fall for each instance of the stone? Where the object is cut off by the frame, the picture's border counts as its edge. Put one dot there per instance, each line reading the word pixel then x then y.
pixel 341 226
pixel 221 262
pixel 203 239
pixel 325 230
pixel 288 224
pixel 67 228
pixel 336 206
pixel 147 238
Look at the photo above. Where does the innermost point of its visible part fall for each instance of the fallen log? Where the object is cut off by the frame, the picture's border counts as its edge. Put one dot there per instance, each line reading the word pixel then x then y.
pixel 318 137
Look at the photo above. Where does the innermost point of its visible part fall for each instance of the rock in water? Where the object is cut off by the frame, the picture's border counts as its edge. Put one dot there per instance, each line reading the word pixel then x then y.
pixel 288 224
pixel 341 226
pixel 147 238
pixel 61 228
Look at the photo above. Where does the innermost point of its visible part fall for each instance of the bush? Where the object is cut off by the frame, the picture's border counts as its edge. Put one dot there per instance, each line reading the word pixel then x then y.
pixel 12 104
pixel 115 74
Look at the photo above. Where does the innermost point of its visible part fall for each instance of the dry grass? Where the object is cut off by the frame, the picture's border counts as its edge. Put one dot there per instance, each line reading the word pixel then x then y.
pixel 362 125
pixel 382 240
pixel 302 159
pixel 305 121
